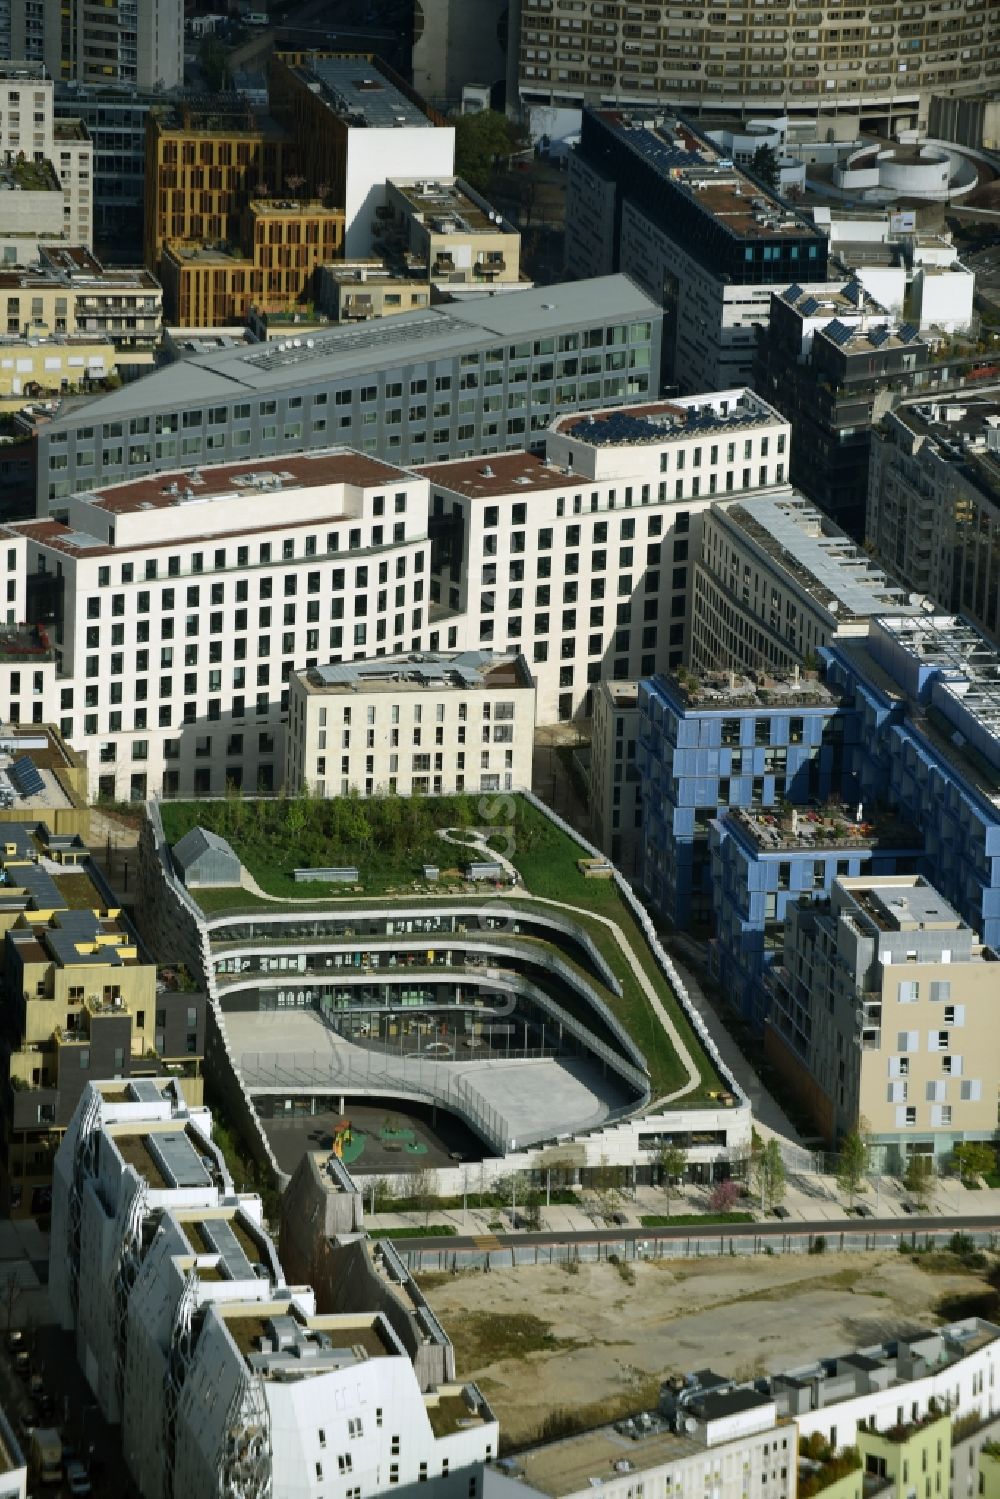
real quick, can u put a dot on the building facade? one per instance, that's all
(414, 725)
(352, 291)
(712, 742)
(353, 119)
(69, 292)
(775, 580)
(650, 196)
(450, 232)
(594, 541)
(139, 44)
(615, 787)
(479, 377)
(880, 1011)
(260, 1392)
(179, 609)
(732, 60)
(934, 501)
(28, 125)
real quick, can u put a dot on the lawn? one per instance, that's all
(682, 1220)
(390, 838)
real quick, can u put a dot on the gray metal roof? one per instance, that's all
(341, 353)
(177, 1158)
(822, 559)
(199, 841)
(356, 90)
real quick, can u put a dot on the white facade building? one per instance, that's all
(224, 1378)
(413, 724)
(28, 125)
(582, 558)
(183, 603)
(180, 604)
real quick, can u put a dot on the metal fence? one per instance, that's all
(706, 1246)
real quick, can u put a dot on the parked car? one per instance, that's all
(15, 1340)
(77, 1478)
(22, 1362)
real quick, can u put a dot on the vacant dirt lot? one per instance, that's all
(543, 1341)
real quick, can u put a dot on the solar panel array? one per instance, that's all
(879, 336)
(809, 306)
(24, 774)
(854, 292)
(623, 427)
(839, 332)
(793, 294)
(908, 333)
(663, 154)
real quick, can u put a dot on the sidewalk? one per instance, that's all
(807, 1198)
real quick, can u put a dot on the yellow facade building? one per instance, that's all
(81, 1001)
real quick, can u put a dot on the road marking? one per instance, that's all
(487, 1241)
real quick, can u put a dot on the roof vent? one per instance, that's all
(486, 472)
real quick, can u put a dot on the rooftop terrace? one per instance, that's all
(823, 828)
(726, 690)
(694, 165)
(447, 206)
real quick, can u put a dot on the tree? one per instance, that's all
(919, 1178)
(767, 1173)
(852, 1164)
(214, 64)
(479, 140)
(975, 1158)
(725, 1196)
(607, 1181)
(764, 164)
(673, 1162)
(422, 1190)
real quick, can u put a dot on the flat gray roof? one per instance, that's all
(342, 352)
(823, 560)
(358, 91)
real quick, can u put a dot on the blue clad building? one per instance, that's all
(718, 741)
(922, 699)
(891, 762)
(763, 861)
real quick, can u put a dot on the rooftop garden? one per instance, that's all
(822, 1466)
(390, 839)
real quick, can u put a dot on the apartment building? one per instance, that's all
(528, 554)
(181, 604)
(730, 1431)
(448, 230)
(270, 270)
(881, 1010)
(138, 44)
(114, 117)
(880, 67)
(28, 126)
(715, 741)
(417, 724)
(353, 118)
(202, 169)
(615, 789)
(650, 196)
(921, 723)
(84, 1000)
(476, 377)
(226, 228)
(46, 365)
(352, 291)
(763, 861)
(69, 291)
(776, 579)
(934, 501)
(261, 1393)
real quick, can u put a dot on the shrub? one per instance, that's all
(724, 1197)
(818, 1245)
